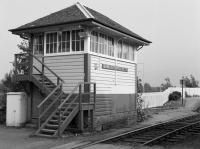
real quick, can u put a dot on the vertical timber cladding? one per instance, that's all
(116, 89)
(69, 67)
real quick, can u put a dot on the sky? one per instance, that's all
(173, 26)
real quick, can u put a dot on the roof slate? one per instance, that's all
(73, 13)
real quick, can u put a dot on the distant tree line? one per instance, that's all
(190, 81)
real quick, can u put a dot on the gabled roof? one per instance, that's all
(76, 13)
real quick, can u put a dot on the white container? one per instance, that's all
(16, 110)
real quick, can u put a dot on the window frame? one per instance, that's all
(117, 45)
(33, 45)
(62, 53)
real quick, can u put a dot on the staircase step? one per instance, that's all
(55, 117)
(45, 135)
(51, 126)
(48, 130)
(54, 121)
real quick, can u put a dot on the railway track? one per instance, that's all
(171, 131)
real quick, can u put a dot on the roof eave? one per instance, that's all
(21, 30)
(145, 42)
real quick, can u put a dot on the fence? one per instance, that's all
(155, 99)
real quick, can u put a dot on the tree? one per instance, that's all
(147, 87)
(139, 85)
(11, 86)
(166, 84)
(190, 81)
(24, 46)
(7, 81)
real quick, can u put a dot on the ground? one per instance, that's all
(18, 138)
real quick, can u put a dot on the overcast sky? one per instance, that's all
(172, 25)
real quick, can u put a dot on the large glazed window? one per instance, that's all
(77, 42)
(94, 42)
(64, 45)
(125, 50)
(51, 43)
(64, 42)
(101, 43)
(38, 44)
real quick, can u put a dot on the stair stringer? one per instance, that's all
(68, 120)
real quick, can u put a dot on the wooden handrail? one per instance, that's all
(49, 96)
(68, 96)
(73, 92)
(46, 67)
(54, 101)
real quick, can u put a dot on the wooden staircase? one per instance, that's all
(58, 108)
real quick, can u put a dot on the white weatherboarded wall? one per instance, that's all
(69, 67)
(156, 99)
(112, 81)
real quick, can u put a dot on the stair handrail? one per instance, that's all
(47, 67)
(64, 101)
(52, 92)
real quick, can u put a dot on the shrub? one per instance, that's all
(174, 96)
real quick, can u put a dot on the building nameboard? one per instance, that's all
(117, 68)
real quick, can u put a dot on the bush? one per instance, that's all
(174, 96)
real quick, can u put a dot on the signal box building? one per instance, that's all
(80, 70)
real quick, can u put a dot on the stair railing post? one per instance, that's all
(38, 118)
(42, 72)
(80, 109)
(59, 121)
(58, 81)
(93, 112)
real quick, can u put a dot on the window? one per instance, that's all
(131, 53)
(101, 43)
(64, 45)
(51, 43)
(77, 42)
(110, 50)
(119, 49)
(62, 42)
(94, 42)
(38, 44)
(125, 51)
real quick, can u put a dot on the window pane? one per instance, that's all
(68, 35)
(73, 35)
(82, 45)
(55, 37)
(51, 47)
(51, 38)
(38, 44)
(63, 47)
(47, 48)
(77, 45)
(55, 47)
(73, 45)
(47, 38)
(68, 46)
(77, 35)
(64, 36)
